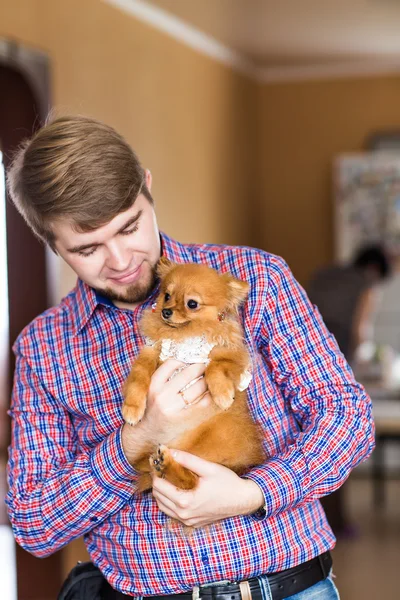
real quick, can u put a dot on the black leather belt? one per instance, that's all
(283, 584)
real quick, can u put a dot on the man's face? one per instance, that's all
(118, 259)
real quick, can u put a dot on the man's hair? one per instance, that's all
(373, 256)
(76, 169)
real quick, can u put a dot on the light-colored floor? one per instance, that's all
(368, 566)
(8, 576)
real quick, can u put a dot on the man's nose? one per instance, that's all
(119, 258)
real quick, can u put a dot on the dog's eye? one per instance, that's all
(192, 304)
(167, 297)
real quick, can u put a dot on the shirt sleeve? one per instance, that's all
(55, 492)
(333, 412)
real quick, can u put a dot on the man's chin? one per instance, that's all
(131, 294)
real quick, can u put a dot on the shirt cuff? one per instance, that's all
(282, 484)
(111, 467)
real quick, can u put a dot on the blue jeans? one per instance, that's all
(324, 590)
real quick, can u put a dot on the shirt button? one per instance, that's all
(204, 558)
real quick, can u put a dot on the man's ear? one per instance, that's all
(164, 266)
(148, 179)
(238, 290)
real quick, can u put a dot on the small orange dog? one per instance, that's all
(197, 311)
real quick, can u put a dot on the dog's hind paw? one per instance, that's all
(163, 465)
(159, 461)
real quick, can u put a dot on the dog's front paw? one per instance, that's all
(222, 392)
(134, 405)
(132, 414)
(224, 401)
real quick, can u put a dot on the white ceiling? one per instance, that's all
(277, 33)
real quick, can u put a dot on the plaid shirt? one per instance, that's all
(68, 475)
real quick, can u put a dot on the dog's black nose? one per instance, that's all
(166, 313)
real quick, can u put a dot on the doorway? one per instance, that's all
(24, 278)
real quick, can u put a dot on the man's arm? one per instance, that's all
(336, 430)
(57, 493)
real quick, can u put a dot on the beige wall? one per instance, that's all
(302, 127)
(186, 115)
(194, 122)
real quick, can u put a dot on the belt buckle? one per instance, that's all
(244, 586)
(196, 593)
(245, 590)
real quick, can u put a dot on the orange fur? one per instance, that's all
(228, 436)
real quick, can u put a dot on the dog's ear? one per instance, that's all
(164, 266)
(238, 290)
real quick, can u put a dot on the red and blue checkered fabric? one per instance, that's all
(69, 477)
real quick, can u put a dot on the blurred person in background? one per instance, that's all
(83, 191)
(386, 320)
(347, 297)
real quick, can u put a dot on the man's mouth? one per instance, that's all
(127, 278)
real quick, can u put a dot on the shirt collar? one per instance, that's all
(84, 304)
(86, 299)
(175, 251)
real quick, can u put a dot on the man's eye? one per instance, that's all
(131, 230)
(167, 297)
(192, 304)
(87, 252)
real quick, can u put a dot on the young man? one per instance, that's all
(83, 191)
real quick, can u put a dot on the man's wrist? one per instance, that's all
(255, 498)
(110, 467)
(135, 441)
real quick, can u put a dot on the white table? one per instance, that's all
(386, 411)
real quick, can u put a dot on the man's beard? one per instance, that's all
(135, 293)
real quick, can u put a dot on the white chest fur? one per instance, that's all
(193, 350)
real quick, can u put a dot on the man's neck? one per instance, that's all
(126, 305)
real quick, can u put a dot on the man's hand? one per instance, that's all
(167, 415)
(220, 493)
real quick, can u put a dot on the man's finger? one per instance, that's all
(166, 370)
(194, 463)
(186, 377)
(164, 501)
(169, 491)
(166, 509)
